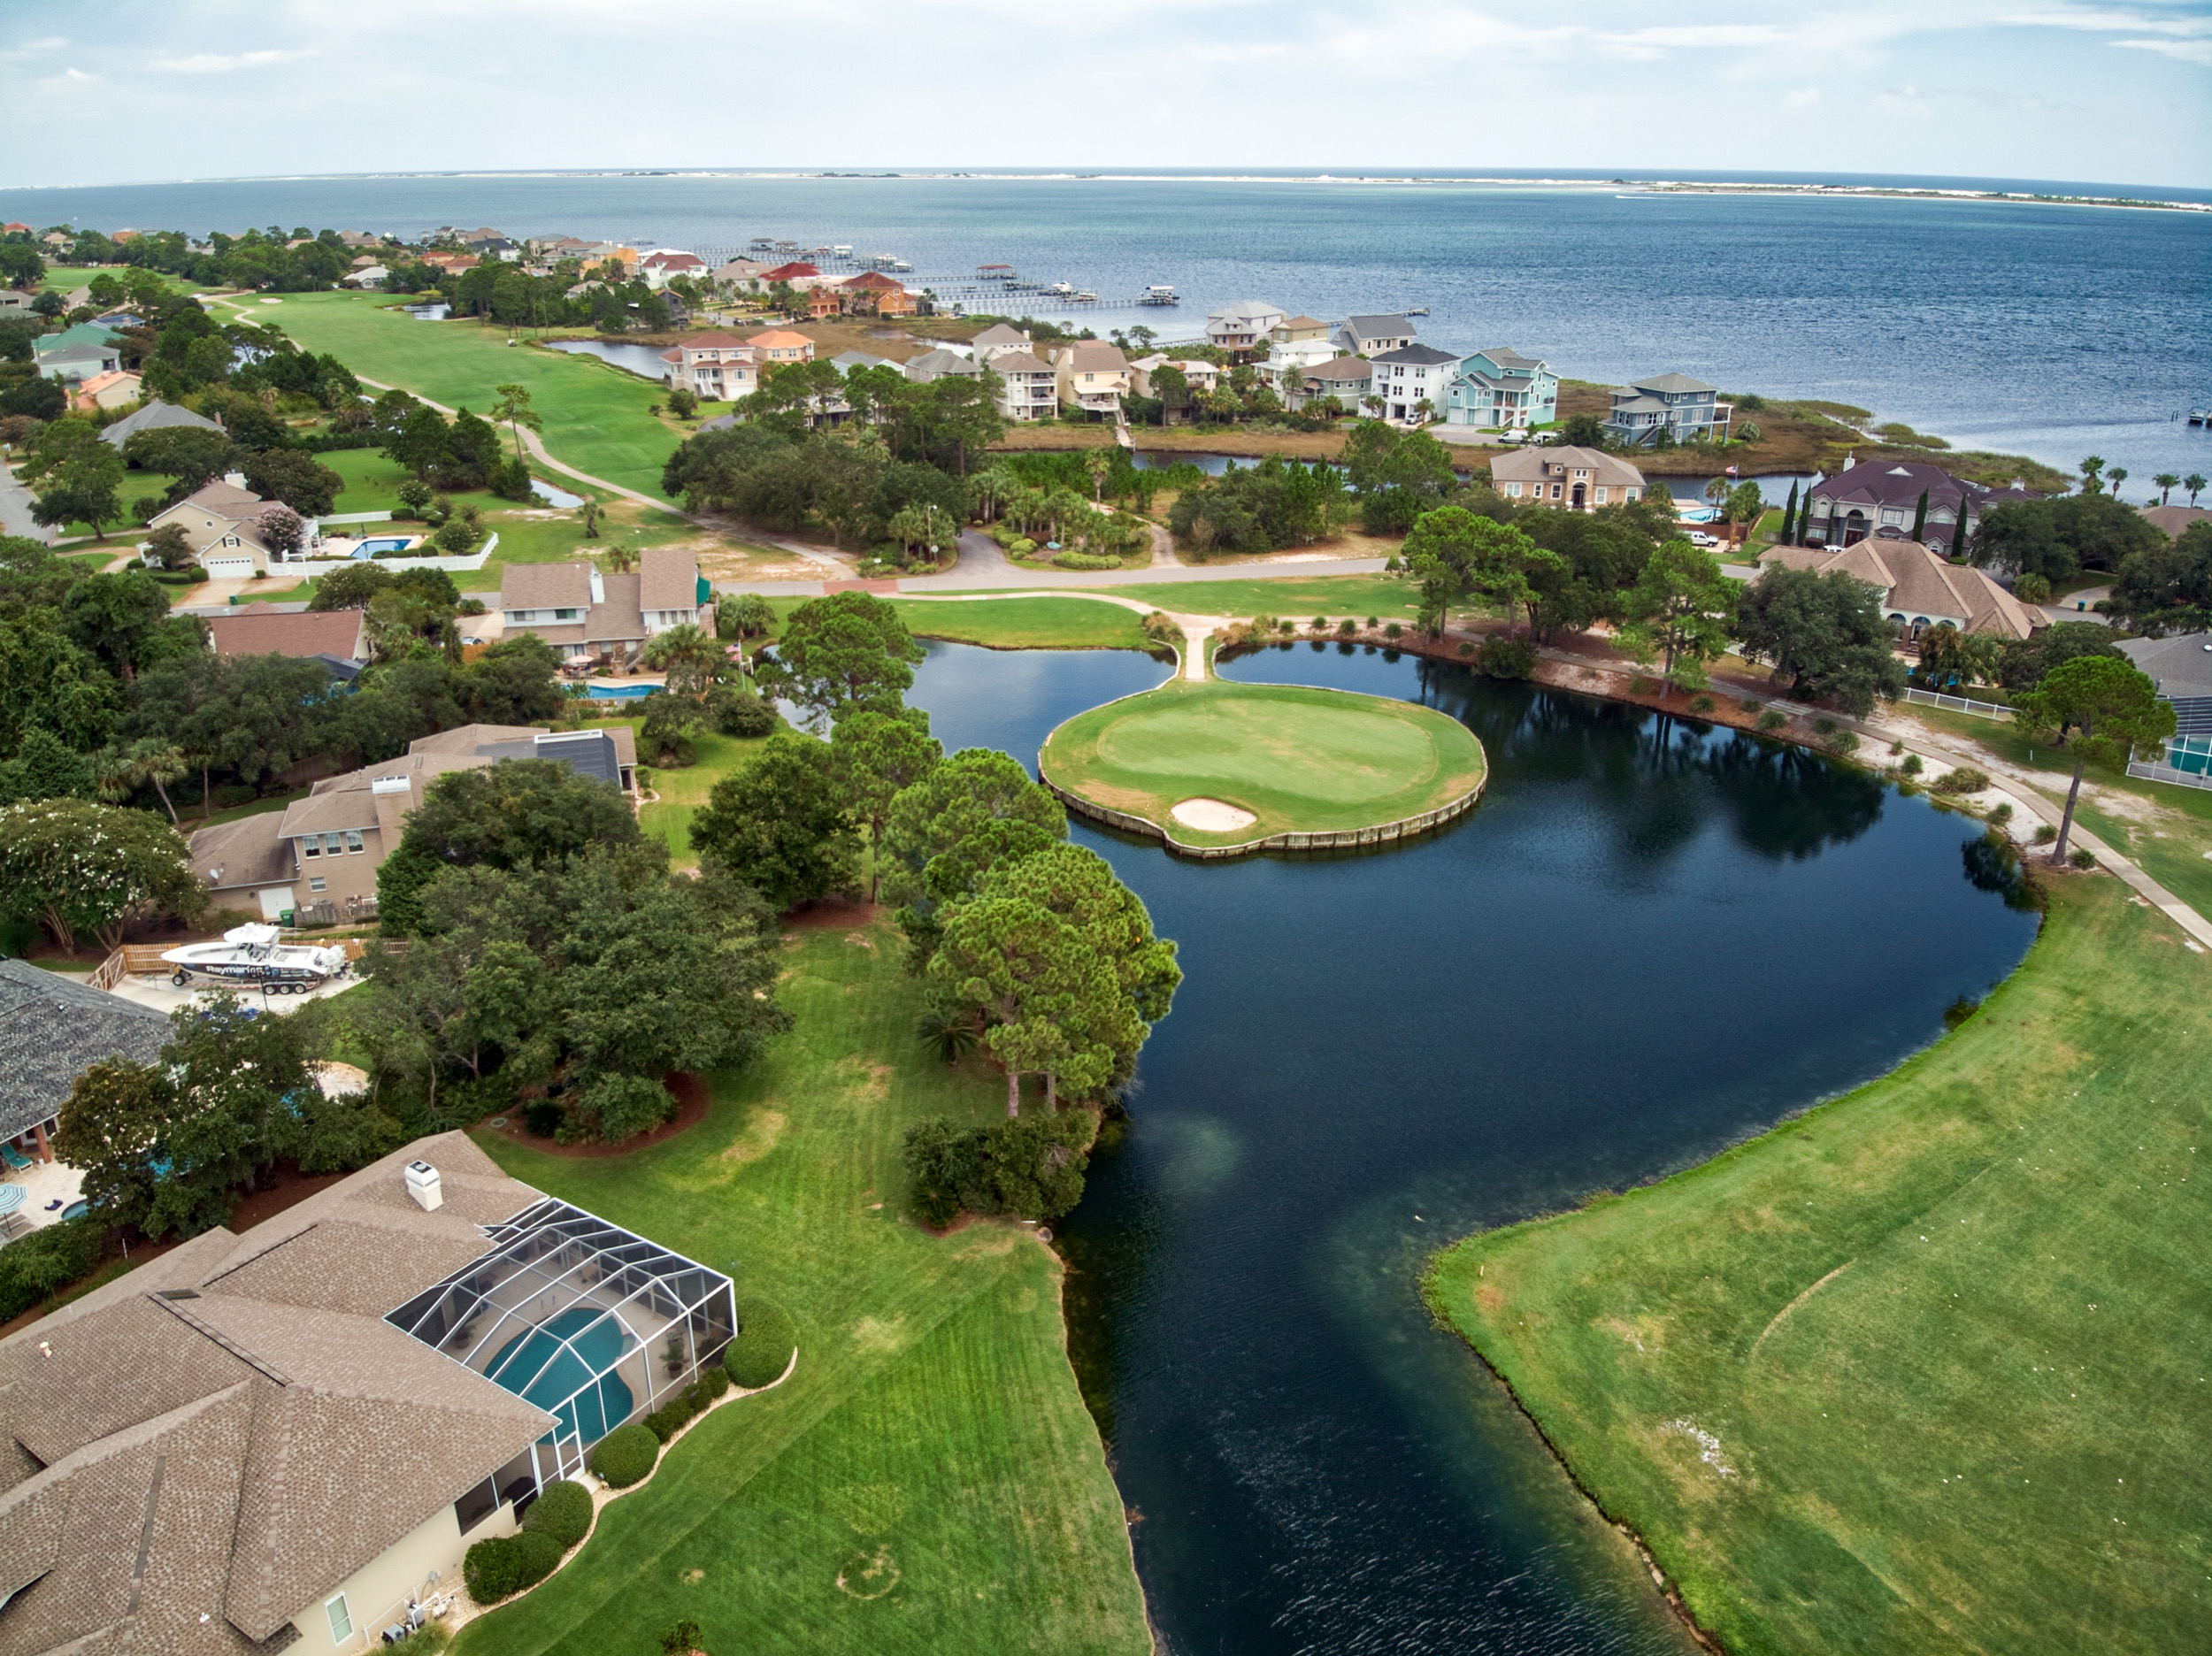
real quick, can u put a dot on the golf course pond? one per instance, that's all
(1650, 939)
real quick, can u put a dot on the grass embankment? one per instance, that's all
(1298, 760)
(595, 414)
(931, 1449)
(1025, 623)
(1925, 1369)
(1299, 597)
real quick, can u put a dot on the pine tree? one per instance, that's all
(1788, 537)
(1920, 518)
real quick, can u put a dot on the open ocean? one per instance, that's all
(2045, 330)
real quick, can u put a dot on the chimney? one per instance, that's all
(598, 585)
(422, 1184)
(236, 480)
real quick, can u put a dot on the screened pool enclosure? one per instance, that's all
(589, 1322)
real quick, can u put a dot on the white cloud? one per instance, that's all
(2195, 51)
(225, 62)
(33, 49)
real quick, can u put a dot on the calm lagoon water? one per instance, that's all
(642, 360)
(1651, 939)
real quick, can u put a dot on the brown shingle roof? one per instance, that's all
(248, 852)
(1917, 581)
(668, 579)
(621, 618)
(340, 632)
(545, 587)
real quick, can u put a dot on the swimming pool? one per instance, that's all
(382, 543)
(553, 1364)
(620, 693)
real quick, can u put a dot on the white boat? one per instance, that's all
(1062, 288)
(1158, 293)
(252, 955)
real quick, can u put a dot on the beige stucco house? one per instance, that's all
(1920, 588)
(1091, 377)
(1572, 478)
(222, 524)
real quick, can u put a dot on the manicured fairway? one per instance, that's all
(1297, 760)
(1297, 597)
(1026, 623)
(1928, 1369)
(932, 1429)
(595, 414)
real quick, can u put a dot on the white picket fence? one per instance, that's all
(1960, 704)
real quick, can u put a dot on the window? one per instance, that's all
(341, 1620)
(311, 845)
(353, 840)
(318, 883)
(478, 1504)
(332, 843)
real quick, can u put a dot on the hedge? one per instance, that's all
(505, 1565)
(762, 1350)
(48, 1260)
(563, 1511)
(687, 1405)
(626, 1455)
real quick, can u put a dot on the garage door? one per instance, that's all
(229, 568)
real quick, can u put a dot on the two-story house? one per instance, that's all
(658, 267)
(1566, 478)
(1093, 377)
(1239, 327)
(583, 613)
(939, 364)
(1028, 389)
(1200, 374)
(1349, 379)
(670, 591)
(1919, 586)
(773, 346)
(1501, 390)
(221, 522)
(996, 338)
(1881, 498)
(872, 293)
(1373, 335)
(1411, 375)
(714, 367)
(1685, 409)
(1296, 330)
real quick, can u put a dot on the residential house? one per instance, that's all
(2182, 670)
(273, 1440)
(324, 851)
(494, 247)
(222, 524)
(797, 274)
(872, 293)
(1349, 379)
(715, 366)
(1685, 409)
(1501, 390)
(52, 1030)
(1240, 327)
(2174, 521)
(553, 249)
(367, 276)
(1568, 478)
(451, 263)
(1201, 374)
(154, 416)
(583, 613)
(1882, 497)
(823, 302)
(1920, 588)
(852, 362)
(15, 303)
(113, 390)
(936, 364)
(662, 265)
(671, 592)
(1411, 375)
(79, 353)
(739, 275)
(781, 345)
(358, 238)
(1299, 329)
(996, 338)
(1091, 377)
(1373, 335)
(338, 638)
(1028, 389)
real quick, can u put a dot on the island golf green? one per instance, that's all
(1219, 769)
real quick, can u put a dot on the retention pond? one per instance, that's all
(1652, 938)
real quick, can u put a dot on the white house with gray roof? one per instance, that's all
(1372, 335)
(1411, 375)
(1241, 327)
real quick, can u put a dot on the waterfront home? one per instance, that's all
(338, 638)
(797, 274)
(936, 364)
(154, 416)
(781, 345)
(1567, 478)
(275, 1439)
(2182, 670)
(852, 362)
(2174, 521)
(221, 522)
(114, 390)
(1501, 390)
(1411, 375)
(1295, 330)
(715, 366)
(1093, 377)
(324, 851)
(658, 267)
(1349, 379)
(1920, 588)
(1202, 375)
(553, 249)
(872, 293)
(493, 246)
(1683, 408)
(1372, 335)
(996, 338)
(52, 1030)
(1239, 327)
(1028, 389)
(1882, 498)
(739, 275)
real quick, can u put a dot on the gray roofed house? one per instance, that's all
(272, 1439)
(1411, 375)
(1685, 409)
(996, 338)
(581, 612)
(52, 1030)
(852, 361)
(936, 364)
(1366, 335)
(154, 416)
(2182, 670)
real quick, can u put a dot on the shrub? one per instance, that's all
(48, 1260)
(537, 1555)
(1965, 779)
(1702, 704)
(762, 1350)
(563, 1511)
(625, 1455)
(666, 1420)
(1467, 650)
(470, 607)
(1843, 742)
(2001, 813)
(1393, 631)
(489, 1569)
(1506, 658)
(739, 713)
(2045, 832)
(1772, 720)
(456, 536)
(682, 1639)
(1083, 561)
(1824, 726)
(543, 1118)
(1374, 621)
(1910, 764)
(2082, 857)
(1347, 628)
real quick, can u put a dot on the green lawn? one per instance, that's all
(933, 1428)
(1302, 596)
(1025, 623)
(1925, 1369)
(595, 414)
(1298, 760)
(682, 792)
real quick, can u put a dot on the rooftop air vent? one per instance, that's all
(422, 1184)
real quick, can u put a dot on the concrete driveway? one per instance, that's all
(15, 510)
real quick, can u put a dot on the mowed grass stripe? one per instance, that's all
(1948, 1336)
(933, 1418)
(1301, 760)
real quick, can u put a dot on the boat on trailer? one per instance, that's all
(256, 956)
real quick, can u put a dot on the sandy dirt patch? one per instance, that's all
(1211, 816)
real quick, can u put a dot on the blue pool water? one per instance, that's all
(620, 693)
(387, 543)
(537, 1367)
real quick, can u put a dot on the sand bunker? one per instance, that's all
(1211, 816)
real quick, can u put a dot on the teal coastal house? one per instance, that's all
(1501, 390)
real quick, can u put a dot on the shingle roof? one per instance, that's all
(1674, 382)
(1000, 333)
(1379, 327)
(250, 852)
(1898, 483)
(668, 579)
(1342, 370)
(620, 619)
(2174, 521)
(1424, 355)
(53, 1029)
(1543, 465)
(545, 587)
(2182, 667)
(154, 416)
(1918, 581)
(1505, 356)
(239, 1450)
(340, 632)
(934, 364)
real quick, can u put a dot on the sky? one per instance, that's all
(115, 91)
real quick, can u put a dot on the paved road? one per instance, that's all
(15, 510)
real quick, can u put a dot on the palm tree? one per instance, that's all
(147, 763)
(1100, 465)
(690, 656)
(2166, 484)
(2115, 477)
(2194, 482)
(1424, 410)
(2090, 466)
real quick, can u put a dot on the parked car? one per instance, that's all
(1699, 538)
